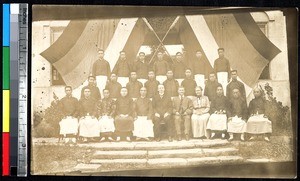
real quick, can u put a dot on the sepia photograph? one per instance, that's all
(122, 88)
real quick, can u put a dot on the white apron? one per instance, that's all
(237, 125)
(217, 122)
(69, 125)
(123, 81)
(88, 127)
(258, 124)
(106, 124)
(161, 78)
(143, 127)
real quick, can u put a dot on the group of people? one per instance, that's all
(148, 103)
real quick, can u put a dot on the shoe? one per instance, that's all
(85, 140)
(230, 138)
(170, 139)
(128, 139)
(179, 138)
(212, 135)
(118, 138)
(67, 140)
(223, 136)
(242, 137)
(251, 138)
(102, 139)
(187, 138)
(157, 139)
(266, 139)
(110, 138)
(73, 140)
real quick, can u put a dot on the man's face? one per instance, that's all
(212, 77)
(256, 93)
(100, 54)
(161, 89)
(221, 53)
(181, 91)
(122, 55)
(91, 80)
(151, 75)
(106, 93)
(68, 91)
(87, 93)
(159, 56)
(124, 92)
(236, 93)
(113, 77)
(141, 56)
(198, 91)
(219, 91)
(234, 75)
(170, 75)
(179, 57)
(143, 92)
(188, 73)
(133, 75)
(198, 55)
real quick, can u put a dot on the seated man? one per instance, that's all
(182, 110)
(200, 114)
(258, 123)
(143, 126)
(238, 115)
(134, 86)
(162, 108)
(124, 119)
(113, 87)
(219, 110)
(88, 123)
(106, 109)
(94, 90)
(69, 123)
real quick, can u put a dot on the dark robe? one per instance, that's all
(238, 108)
(235, 84)
(151, 86)
(106, 106)
(69, 106)
(179, 68)
(222, 65)
(87, 106)
(122, 68)
(171, 87)
(211, 89)
(257, 105)
(95, 93)
(124, 105)
(143, 107)
(160, 67)
(220, 103)
(133, 88)
(114, 89)
(199, 66)
(141, 69)
(101, 67)
(162, 105)
(189, 86)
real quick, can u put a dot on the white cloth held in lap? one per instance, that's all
(217, 122)
(258, 124)
(88, 127)
(106, 124)
(143, 127)
(68, 125)
(237, 125)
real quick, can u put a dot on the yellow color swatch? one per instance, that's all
(6, 110)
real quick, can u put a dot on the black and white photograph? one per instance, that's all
(115, 91)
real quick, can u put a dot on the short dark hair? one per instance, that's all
(86, 87)
(188, 69)
(178, 53)
(233, 71)
(68, 86)
(92, 77)
(220, 85)
(142, 53)
(100, 50)
(212, 72)
(221, 49)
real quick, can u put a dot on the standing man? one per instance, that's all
(171, 85)
(160, 67)
(101, 70)
(235, 84)
(106, 109)
(151, 85)
(258, 123)
(162, 108)
(134, 86)
(238, 116)
(88, 123)
(94, 90)
(182, 110)
(211, 87)
(69, 123)
(220, 111)
(122, 69)
(200, 69)
(179, 68)
(124, 116)
(189, 84)
(113, 87)
(200, 114)
(143, 125)
(141, 67)
(222, 68)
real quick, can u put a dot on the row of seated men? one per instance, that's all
(145, 118)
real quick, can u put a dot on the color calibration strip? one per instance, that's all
(6, 91)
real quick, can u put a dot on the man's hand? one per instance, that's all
(166, 114)
(229, 119)
(177, 113)
(157, 115)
